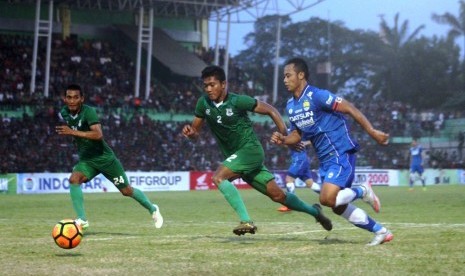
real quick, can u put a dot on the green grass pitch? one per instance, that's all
(197, 238)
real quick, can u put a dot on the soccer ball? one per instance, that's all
(67, 234)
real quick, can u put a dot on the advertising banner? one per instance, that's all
(432, 177)
(159, 181)
(376, 177)
(8, 183)
(203, 181)
(38, 183)
(45, 183)
(461, 176)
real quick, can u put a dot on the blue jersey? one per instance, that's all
(416, 162)
(314, 115)
(415, 156)
(300, 165)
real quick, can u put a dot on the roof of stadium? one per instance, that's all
(241, 11)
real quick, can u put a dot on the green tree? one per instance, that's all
(428, 70)
(457, 23)
(350, 51)
(258, 60)
(395, 40)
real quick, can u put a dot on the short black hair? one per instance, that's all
(214, 71)
(299, 65)
(75, 87)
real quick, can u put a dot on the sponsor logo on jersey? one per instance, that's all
(229, 112)
(302, 120)
(306, 105)
(329, 100)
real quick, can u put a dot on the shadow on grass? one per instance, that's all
(249, 239)
(105, 233)
(68, 254)
(329, 241)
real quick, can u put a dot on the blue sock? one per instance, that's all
(358, 191)
(371, 226)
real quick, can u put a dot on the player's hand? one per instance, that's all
(277, 138)
(380, 137)
(188, 131)
(63, 130)
(297, 147)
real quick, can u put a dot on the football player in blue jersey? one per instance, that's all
(299, 169)
(317, 115)
(416, 164)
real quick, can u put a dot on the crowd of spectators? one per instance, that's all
(143, 144)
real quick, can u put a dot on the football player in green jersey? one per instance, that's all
(226, 115)
(95, 156)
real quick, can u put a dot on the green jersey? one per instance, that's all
(91, 150)
(229, 121)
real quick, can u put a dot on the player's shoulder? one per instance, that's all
(235, 96)
(314, 92)
(64, 111)
(85, 109)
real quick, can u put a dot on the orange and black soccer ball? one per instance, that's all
(67, 234)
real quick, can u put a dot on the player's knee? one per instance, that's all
(280, 198)
(217, 179)
(328, 201)
(77, 179)
(127, 191)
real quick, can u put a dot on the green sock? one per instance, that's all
(78, 200)
(295, 203)
(234, 199)
(140, 197)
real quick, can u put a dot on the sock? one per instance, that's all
(231, 194)
(316, 188)
(78, 200)
(140, 197)
(359, 218)
(290, 187)
(346, 196)
(295, 203)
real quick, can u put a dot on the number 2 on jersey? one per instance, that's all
(232, 157)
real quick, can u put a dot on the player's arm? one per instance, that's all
(347, 107)
(292, 138)
(266, 109)
(95, 132)
(192, 131)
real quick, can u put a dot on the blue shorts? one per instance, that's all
(339, 171)
(416, 168)
(300, 168)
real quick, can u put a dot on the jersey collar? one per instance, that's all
(307, 87)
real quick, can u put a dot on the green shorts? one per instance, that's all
(248, 162)
(112, 170)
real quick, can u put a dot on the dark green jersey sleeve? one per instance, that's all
(200, 107)
(92, 117)
(245, 102)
